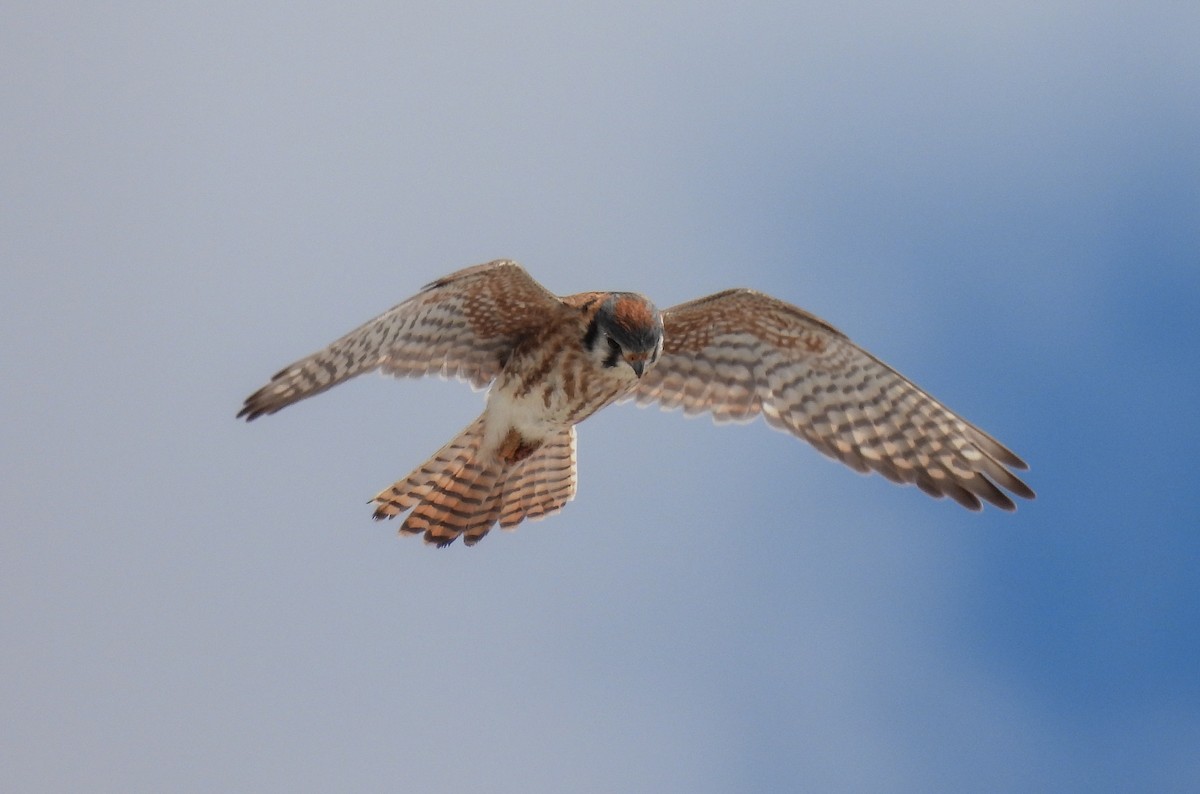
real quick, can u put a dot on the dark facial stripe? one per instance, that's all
(614, 352)
(593, 330)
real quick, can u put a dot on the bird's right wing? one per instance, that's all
(740, 353)
(462, 326)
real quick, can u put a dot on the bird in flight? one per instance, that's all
(554, 361)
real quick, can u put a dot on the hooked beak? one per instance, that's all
(638, 367)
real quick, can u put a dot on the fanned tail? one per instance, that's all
(464, 490)
(541, 484)
(451, 494)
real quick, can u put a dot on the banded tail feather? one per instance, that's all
(464, 489)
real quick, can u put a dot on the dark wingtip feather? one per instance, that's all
(1021, 489)
(257, 405)
(1003, 502)
(963, 497)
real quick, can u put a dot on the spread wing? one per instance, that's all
(459, 326)
(740, 353)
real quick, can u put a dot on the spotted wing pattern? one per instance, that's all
(740, 353)
(459, 326)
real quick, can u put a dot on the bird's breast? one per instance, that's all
(548, 386)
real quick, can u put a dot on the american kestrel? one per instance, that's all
(553, 362)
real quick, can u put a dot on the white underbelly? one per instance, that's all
(543, 411)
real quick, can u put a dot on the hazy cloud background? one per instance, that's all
(1002, 200)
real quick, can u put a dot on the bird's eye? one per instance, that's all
(613, 345)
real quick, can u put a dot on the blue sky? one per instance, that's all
(1000, 200)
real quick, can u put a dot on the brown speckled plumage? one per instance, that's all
(552, 362)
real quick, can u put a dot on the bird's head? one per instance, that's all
(626, 331)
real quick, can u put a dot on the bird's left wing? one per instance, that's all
(462, 325)
(740, 353)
